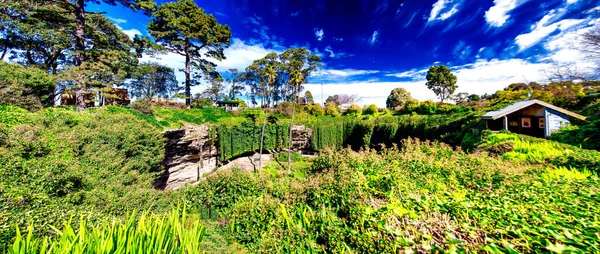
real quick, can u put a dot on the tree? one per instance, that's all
(397, 98)
(235, 88)
(308, 98)
(461, 98)
(298, 64)
(152, 79)
(441, 81)
(216, 89)
(342, 99)
(185, 29)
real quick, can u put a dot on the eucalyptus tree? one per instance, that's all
(298, 64)
(151, 80)
(216, 88)
(235, 88)
(185, 29)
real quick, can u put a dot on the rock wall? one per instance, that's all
(190, 154)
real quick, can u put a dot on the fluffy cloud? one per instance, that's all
(479, 78)
(541, 31)
(374, 37)
(130, 32)
(238, 56)
(342, 72)
(319, 34)
(439, 10)
(497, 15)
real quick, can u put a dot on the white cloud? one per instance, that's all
(238, 56)
(572, 1)
(541, 31)
(477, 78)
(342, 72)
(370, 92)
(497, 15)
(438, 7)
(374, 37)
(319, 34)
(130, 32)
(117, 20)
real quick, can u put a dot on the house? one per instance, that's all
(530, 117)
(228, 105)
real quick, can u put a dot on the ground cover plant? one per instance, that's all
(424, 196)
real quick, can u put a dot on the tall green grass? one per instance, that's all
(175, 232)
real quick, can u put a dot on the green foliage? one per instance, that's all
(245, 137)
(58, 162)
(150, 80)
(184, 28)
(25, 87)
(390, 130)
(143, 106)
(372, 110)
(398, 98)
(534, 150)
(138, 233)
(423, 197)
(353, 110)
(285, 108)
(331, 110)
(441, 81)
(586, 136)
(316, 110)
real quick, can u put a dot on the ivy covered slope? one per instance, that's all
(58, 163)
(424, 196)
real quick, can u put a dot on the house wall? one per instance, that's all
(529, 121)
(554, 121)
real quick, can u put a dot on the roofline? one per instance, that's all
(564, 111)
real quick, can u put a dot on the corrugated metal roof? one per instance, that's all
(523, 104)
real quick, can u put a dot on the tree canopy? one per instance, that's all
(397, 98)
(185, 29)
(441, 81)
(150, 80)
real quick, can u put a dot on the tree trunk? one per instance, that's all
(188, 84)
(4, 51)
(290, 140)
(80, 48)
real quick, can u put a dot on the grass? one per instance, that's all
(175, 232)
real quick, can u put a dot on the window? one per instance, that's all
(541, 123)
(526, 122)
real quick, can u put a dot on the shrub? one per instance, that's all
(285, 108)
(26, 87)
(316, 110)
(143, 106)
(331, 110)
(353, 110)
(371, 110)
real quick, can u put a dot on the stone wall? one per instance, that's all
(190, 154)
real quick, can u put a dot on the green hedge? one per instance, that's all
(245, 137)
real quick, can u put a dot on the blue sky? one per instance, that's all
(371, 47)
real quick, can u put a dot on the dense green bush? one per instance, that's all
(143, 106)
(353, 110)
(371, 110)
(245, 137)
(58, 160)
(315, 110)
(25, 87)
(331, 110)
(420, 198)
